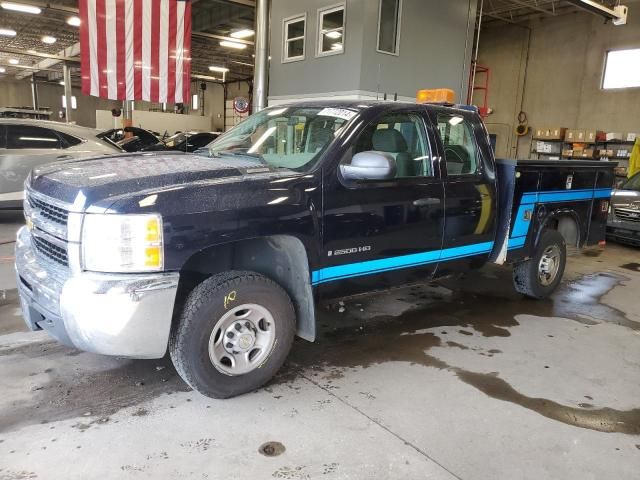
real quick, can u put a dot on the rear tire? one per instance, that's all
(234, 334)
(539, 276)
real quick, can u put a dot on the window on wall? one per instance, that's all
(331, 30)
(389, 15)
(622, 69)
(294, 32)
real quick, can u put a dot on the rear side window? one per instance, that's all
(402, 135)
(69, 140)
(28, 136)
(460, 149)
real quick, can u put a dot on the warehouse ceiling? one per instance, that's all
(515, 11)
(212, 21)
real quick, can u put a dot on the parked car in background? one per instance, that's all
(26, 143)
(134, 139)
(624, 215)
(190, 141)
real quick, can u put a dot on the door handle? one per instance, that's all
(426, 202)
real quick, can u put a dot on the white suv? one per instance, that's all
(26, 143)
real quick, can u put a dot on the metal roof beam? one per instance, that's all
(67, 55)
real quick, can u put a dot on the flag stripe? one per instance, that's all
(136, 49)
(93, 49)
(85, 57)
(128, 33)
(122, 55)
(163, 50)
(171, 70)
(186, 69)
(111, 67)
(101, 29)
(155, 50)
(179, 51)
(146, 50)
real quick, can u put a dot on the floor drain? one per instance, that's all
(271, 449)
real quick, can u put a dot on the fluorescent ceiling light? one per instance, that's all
(2, 69)
(455, 121)
(14, 61)
(20, 7)
(236, 45)
(336, 46)
(7, 32)
(219, 69)
(334, 34)
(61, 82)
(48, 39)
(74, 21)
(242, 33)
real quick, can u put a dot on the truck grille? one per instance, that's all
(50, 250)
(46, 214)
(628, 214)
(48, 211)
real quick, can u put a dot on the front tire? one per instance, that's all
(234, 334)
(539, 276)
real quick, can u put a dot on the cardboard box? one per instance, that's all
(588, 153)
(631, 137)
(555, 133)
(538, 133)
(591, 136)
(567, 152)
(574, 135)
(614, 136)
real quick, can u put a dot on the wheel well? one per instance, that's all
(282, 258)
(567, 226)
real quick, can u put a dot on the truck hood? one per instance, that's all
(626, 198)
(100, 180)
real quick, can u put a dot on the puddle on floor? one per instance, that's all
(358, 339)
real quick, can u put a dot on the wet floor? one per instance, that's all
(424, 381)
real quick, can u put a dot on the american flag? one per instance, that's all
(136, 49)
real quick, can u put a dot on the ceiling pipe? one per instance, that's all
(618, 13)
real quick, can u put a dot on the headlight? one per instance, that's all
(122, 243)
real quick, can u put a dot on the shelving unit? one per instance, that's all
(602, 145)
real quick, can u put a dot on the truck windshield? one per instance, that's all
(286, 137)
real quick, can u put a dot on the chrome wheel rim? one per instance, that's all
(549, 265)
(242, 339)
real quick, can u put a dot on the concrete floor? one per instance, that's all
(462, 380)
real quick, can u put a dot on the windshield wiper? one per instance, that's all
(230, 153)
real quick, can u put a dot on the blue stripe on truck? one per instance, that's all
(529, 200)
(517, 240)
(371, 267)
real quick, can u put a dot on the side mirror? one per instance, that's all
(370, 166)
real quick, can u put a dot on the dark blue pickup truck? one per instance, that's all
(222, 258)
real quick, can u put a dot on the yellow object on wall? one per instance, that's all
(634, 161)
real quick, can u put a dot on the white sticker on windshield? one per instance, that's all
(338, 113)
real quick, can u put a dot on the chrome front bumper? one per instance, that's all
(110, 314)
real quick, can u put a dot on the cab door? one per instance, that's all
(470, 191)
(382, 233)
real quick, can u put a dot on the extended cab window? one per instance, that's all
(27, 136)
(460, 150)
(403, 136)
